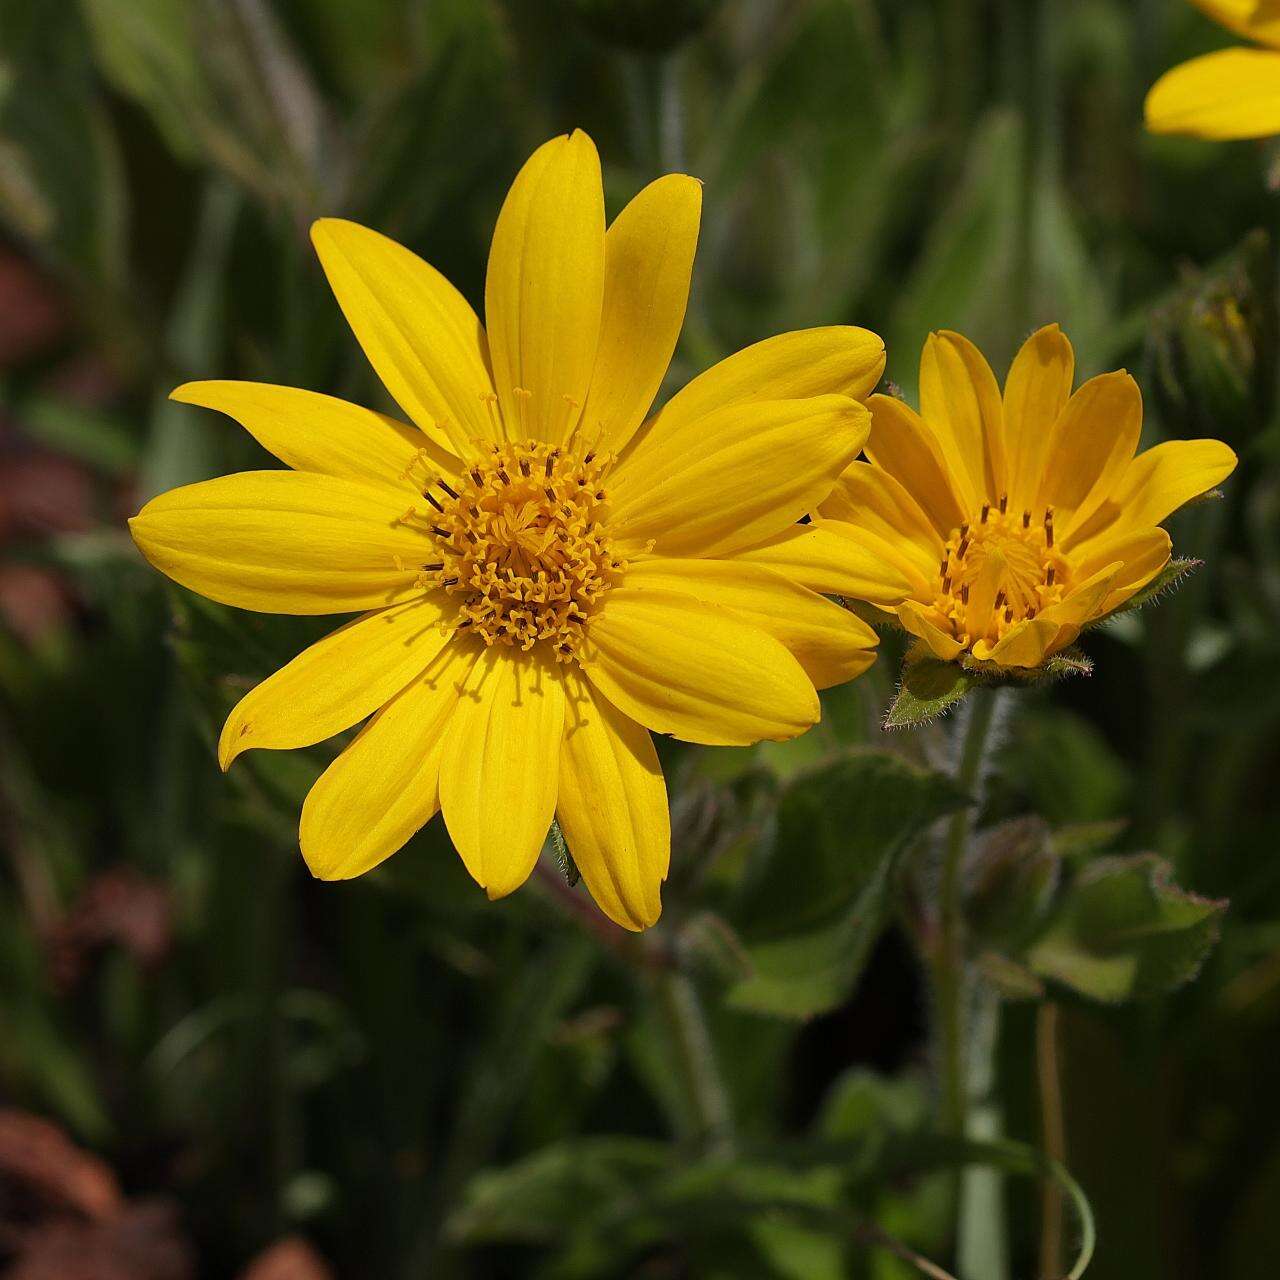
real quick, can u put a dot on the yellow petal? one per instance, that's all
(871, 500)
(716, 484)
(1142, 553)
(544, 289)
(612, 806)
(1234, 93)
(830, 643)
(284, 542)
(417, 330)
(1091, 444)
(1035, 393)
(840, 360)
(696, 672)
(983, 591)
(313, 432)
(1256, 19)
(337, 681)
(915, 618)
(648, 260)
(383, 787)
(498, 776)
(903, 446)
(960, 400)
(1155, 484)
(1026, 644)
(818, 557)
(1084, 602)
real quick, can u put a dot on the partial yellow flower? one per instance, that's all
(1234, 93)
(1018, 518)
(543, 576)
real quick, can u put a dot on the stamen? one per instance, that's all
(1026, 519)
(1048, 526)
(433, 502)
(1004, 503)
(986, 511)
(444, 484)
(1049, 576)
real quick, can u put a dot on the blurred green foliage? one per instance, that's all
(425, 1083)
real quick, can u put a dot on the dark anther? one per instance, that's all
(1026, 519)
(986, 511)
(433, 502)
(439, 532)
(551, 497)
(524, 466)
(964, 594)
(1004, 503)
(477, 475)
(444, 484)
(502, 475)
(1049, 577)
(433, 568)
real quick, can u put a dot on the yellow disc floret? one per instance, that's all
(997, 570)
(522, 545)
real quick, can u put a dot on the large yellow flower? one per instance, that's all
(542, 578)
(1234, 93)
(1017, 518)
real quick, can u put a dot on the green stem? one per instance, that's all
(702, 1086)
(949, 958)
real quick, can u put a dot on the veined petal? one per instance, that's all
(1142, 553)
(419, 333)
(612, 806)
(902, 446)
(868, 498)
(1234, 93)
(648, 261)
(841, 360)
(383, 787)
(544, 289)
(1035, 393)
(337, 681)
(685, 668)
(1154, 485)
(735, 477)
(313, 432)
(1091, 444)
(498, 776)
(284, 542)
(960, 400)
(819, 557)
(830, 643)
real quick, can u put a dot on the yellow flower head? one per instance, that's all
(542, 578)
(1017, 519)
(1234, 93)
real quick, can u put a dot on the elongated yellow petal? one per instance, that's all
(1155, 484)
(872, 500)
(544, 290)
(338, 681)
(1026, 644)
(417, 330)
(716, 484)
(313, 432)
(498, 777)
(840, 360)
(1035, 393)
(1256, 19)
(1234, 93)
(284, 542)
(648, 255)
(1091, 444)
(830, 643)
(383, 787)
(1084, 602)
(903, 446)
(1142, 554)
(960, 400)
(684, 668)
(818, 557)
(612, 806)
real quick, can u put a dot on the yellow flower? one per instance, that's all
(543, 579)
(1234, 93)
(1017, 519)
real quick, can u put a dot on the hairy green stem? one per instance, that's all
(702, 1086)
(950, 983)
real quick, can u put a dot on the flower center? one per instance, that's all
(998, 570)
(522, 546)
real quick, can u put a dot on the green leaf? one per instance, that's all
(1168, 580)
(1011, 876)
(822, 893)
(929, 689)
(1124, 931)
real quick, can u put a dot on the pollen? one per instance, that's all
(521, 545)
(997, 570)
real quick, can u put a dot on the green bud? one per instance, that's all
(1011, 875)
(650, 26)
(1214, 345)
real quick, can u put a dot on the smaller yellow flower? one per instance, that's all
(1018, 519)
(1234, 93)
